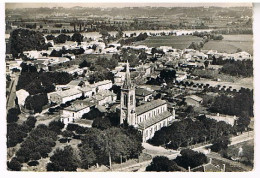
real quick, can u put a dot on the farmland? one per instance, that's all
(178, 42)
(231, 43)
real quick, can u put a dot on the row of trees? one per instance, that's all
(188, 158)
(62, 38)
(37, 145)
(59, 53)
(243, 68)
(17, 132)
(140, 37)
(187, 132)
(208, 35)
(241, 104)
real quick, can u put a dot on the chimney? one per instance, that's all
(210, 160)
(189, 169)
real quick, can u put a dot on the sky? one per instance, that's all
(106, 5)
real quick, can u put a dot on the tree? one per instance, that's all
(26, 40)
(190, 158)
(162, 163)
(12, 115)
(243, 122)
(101, 123)
(220, 143)
(14, 165)
(62, 38)
(15, 134)
(87, 156)
(36, 102)
(84, 64)
(77, 37)
(63, 160)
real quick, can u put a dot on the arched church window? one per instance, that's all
(131, 99)
(125, 100)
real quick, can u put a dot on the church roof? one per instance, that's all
(154, 120)
(149, 106)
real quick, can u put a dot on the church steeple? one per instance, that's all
(127, 83)
(128, 102)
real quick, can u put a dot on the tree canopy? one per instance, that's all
(63, 160)
(162, 163)
(26, 40)
(190, 158)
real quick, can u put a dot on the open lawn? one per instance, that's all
(231, 43)
(242, 152)
(178, 42)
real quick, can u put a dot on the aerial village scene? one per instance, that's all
(129, 89)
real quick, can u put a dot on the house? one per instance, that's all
(226, 118)
(119, 78)
(193, 100)
(21, 96)
(61, 97)
(75, 111)
(143, 94)
(104, 97)
(209, 167)
(103, 85)
(180, 76)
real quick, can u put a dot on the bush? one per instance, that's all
(220, 144)
(190, 158)
(33, 163)
(67, 133)
(12, 115)
(14, 165)
(162, 163)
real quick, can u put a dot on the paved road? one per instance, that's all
(10, 101)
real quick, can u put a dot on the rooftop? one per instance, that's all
(149, 106)
(154, 120)
(194, 97)
(77, 106)
(142, 92)
(66, 93)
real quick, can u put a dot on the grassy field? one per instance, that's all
(179, 42)
(231, 43)
(247, 154)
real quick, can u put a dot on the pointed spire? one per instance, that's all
(127, 83)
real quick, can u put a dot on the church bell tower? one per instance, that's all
(128, 103)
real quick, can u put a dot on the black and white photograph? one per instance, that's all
(129, 87)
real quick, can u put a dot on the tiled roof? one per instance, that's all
(149, 106)
(70, 92)
(77, 107)
(142, 92)
(194, 97)
(151, 121)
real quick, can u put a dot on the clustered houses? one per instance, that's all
(73, 91)
(137, 106)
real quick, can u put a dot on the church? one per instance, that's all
(147, 118)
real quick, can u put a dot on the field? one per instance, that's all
(231, 43)
(246, 155)
(179, 42)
